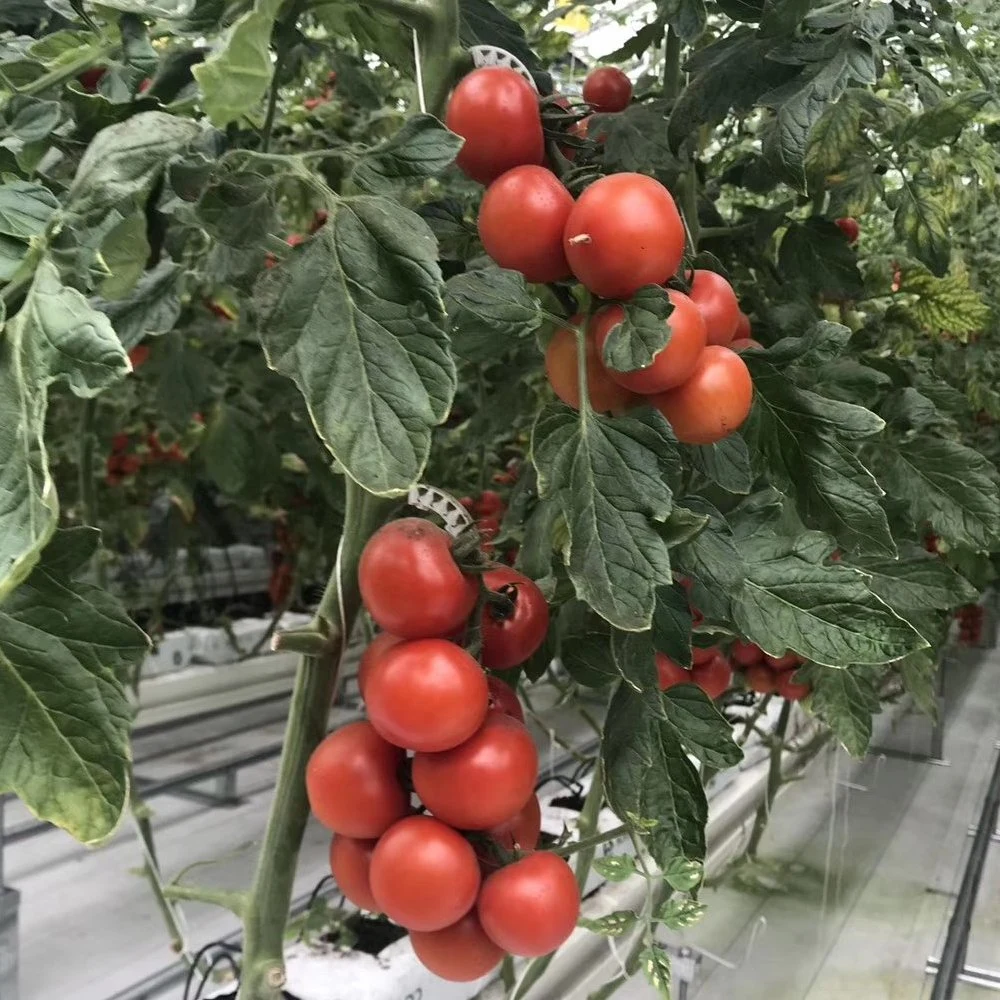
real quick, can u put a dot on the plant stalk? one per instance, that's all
(672, 65)
(774, 781)
(266, 910)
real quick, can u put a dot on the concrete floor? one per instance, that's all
(862, 861)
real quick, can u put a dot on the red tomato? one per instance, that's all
(496, 111)
(139, 355)
(746, 654)
(350, 861)
(503, 698)
(509, 641)
(90, 78)
(674, 363)
(411, 584)
(606, 395)
(423, 874)
(713, 677)
(788, 661)
(460, 953)
(483, 782)
(119, 443)
(701, 655)
(380, 645)
(352, 782)
(489, 504)
(742, 344)
(788, 689)
(521, 222)
(762, 679)
(426, 694)
(489, 527)
(624, 232)
(312, 103)
(522, 831)
(669, 673)
(713, 402)
(607, 89)
(743, 329)
(717, 301)
(530, 907)
(850, 228)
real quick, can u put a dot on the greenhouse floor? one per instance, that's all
(863, 875)
(866, 856)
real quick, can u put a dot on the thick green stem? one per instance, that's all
(88, 505)
(672, 65)
(589, 843)
(774, 781)
(266, 911)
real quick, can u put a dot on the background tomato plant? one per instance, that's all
(244, 296)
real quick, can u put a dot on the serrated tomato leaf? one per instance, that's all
(610, 478)
(700, 726)
(66, 650)
(422, 148)
(671, 633)
(355, 318)
(847, 701)
(647, 774)
(643, 332)
(55, 336)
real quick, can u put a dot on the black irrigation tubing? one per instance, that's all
(956, 944)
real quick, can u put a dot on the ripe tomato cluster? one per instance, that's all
(122, 462)
(622, 233)
(441, 873)
(970, 624)
(768, 674)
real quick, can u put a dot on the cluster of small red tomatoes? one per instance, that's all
(463, 876)
(712, 671)
(122, 462)
(970, 624)
(622, 233)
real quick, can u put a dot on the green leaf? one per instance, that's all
(229, 448)
(783, 16)
(701, 727)
(584, 645)
(152, 307)
(915, 583)
(124, 252)
(487, 310)
(846, 700)
(804, 439)
(687, 17)
(643, 332)
(12, 254)
(634, 656)
(679, 914)
(65, 647)
(947, 485)
(483, 23)
(943, 122)
(635, 139)
(857, 189)
(800, 103)
(910, 409)
(137, 49)
(683, 874)
(610, 480)
(422, 148)
(815, 254)
(611, 924)
(922, 221)
(55, 336)
(355, 318)
(712, 560)
(236, 76)
(31, 119)
(650, 35)
(945, 305)
(824, 611)
(671, 633)
(655, 964)
(124, 160)
(25, 209)
(919, 672)
(183, 373)
(238, 209)
(615, 867)
(726, 463)
(647, 773)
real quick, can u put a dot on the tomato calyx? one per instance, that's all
(501, 604)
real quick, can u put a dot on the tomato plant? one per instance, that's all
(271, 270)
